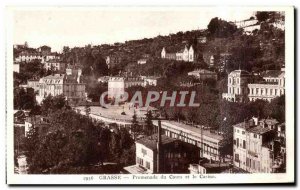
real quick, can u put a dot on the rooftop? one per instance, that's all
(151, 141)
(272, 73)
(202, 71)
(135, 169)
(259, 130)
(239, 72)
(192, 130)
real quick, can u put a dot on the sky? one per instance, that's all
(70, 27)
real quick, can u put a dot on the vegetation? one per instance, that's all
(24, 99)
(74, 142)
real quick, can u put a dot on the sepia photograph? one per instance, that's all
(130, 95)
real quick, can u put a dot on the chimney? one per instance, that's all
(251, 122)
(158, 147)
(255, 119)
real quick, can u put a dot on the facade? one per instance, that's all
(117, 85)
(186, 54)
(248, 25)
(26, 56)
(256, 146)
(211, 144)
(170, 155)
(272, 86)
(69, 86)
(237, 86)
(112, 60)
(203, 74)
(55, 65)
(151, 81)
(242, 87)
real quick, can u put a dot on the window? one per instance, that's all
(237, 142)
(255, 135)
(148, 165)
(236, 158)
(244, 144)
(140, 161)
(144, 152)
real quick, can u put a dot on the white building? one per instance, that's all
(272, 86)
(167, 155)
(242, 87)
(211, 144)
(150, 81)
(248, 25)
(55, 65)
(31, 56)
(60, 84)
(203, 74)
(255, 148)
(237, 86)
(117, 85)
(186, 54)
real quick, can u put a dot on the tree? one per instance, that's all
(87, 109)
(220, 28)
(115, 147)
(262, 15)
(31, 145)
(128, 156)
(149, 128)
(276, 109)
(71, 141)
(51, 104)
(135, 127)
(24, 99)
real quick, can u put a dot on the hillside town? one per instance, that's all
(235, 68)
